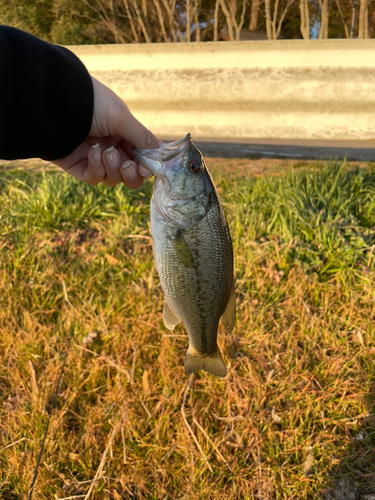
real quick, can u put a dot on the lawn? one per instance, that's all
(294, 418)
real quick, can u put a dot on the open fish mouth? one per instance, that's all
(153, 159)
(180, 145)
(186, 141)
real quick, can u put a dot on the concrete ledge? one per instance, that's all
(272, 89)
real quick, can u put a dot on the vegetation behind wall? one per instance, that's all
(148, 21)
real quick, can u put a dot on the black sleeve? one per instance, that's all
(46, 98)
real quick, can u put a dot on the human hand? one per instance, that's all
(106, 155)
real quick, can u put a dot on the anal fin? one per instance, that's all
(229, 316)
(169, 317)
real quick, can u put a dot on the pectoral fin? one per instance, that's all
(182, 250)
(229, 316)
(169, 317)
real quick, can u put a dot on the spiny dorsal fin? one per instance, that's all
(169, 317)
(229, 316)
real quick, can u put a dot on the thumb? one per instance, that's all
(133, 131)
(113, 117)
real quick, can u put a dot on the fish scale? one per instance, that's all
(192, 250)
(198, 296)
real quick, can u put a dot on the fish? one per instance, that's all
(192, 249)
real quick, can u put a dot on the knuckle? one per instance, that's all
(134, 184)
(110, 183)
(149, 139)
(93, 182)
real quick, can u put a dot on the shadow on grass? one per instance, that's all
(354, 477)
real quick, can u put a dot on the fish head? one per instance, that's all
(183, 187)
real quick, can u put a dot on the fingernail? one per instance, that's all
(113, 157)
(96, 152)
(128, 171)
(150, 174)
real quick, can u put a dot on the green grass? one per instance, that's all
(294, 416)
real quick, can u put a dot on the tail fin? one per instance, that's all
(213, 364)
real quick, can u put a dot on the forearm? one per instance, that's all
(46, 98)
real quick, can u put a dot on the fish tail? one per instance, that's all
(212, 363)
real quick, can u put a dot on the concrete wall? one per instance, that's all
(272, 89)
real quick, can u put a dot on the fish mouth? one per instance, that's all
(186, 141)
(153, 158)
(178, 142)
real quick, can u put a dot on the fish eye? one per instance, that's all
(194, 166)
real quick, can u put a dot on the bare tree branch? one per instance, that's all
(161, 20)
(113, 19)
(305, 19)
(216, 15)
(267, 6)
(132, 26)
(140, 21)
(101, 13)
(353, 19)
(228, 19)
(172, 24)
(188, 21)
(244, 4)
(273, 23)
(238, 27)
(323, 31)
(339, 8)
(273, 28)
(288, 5)
(196, 21)
(253, 24)
(144, 8)
(363, 19)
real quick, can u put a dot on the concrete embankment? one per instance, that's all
(287, 89)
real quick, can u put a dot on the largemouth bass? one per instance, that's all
(192, 250)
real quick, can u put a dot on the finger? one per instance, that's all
(95, 171)
(77, 170)
(127, 148)
(131, 130)
(144, 172)
(112, 162)
(130, 175)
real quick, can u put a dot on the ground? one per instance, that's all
(295, 416)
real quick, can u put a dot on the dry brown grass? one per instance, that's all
(294, 414)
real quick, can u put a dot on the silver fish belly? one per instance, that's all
(192, 250)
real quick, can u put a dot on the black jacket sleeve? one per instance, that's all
(46, 98)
